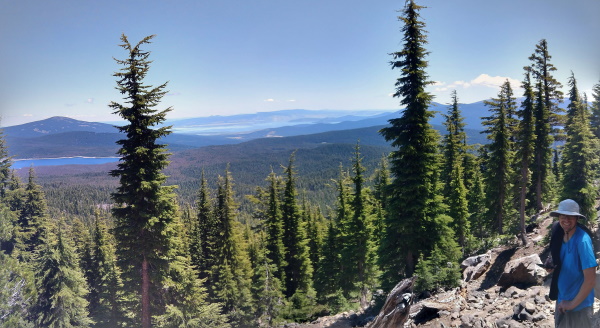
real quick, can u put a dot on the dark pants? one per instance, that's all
(574, 319)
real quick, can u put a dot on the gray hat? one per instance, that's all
(567, 207)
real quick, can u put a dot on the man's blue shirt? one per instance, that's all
(576, 255)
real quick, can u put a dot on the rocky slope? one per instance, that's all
(504, 288)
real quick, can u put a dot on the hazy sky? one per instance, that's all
(224, 57)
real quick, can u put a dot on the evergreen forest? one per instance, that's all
(136, 250)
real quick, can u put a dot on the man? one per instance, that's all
(575, 268)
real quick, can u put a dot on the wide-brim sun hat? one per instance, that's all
(568, 207)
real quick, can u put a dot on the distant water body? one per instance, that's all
(21, 163)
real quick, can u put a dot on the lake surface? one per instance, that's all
(21, 163)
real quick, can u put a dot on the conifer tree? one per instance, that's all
(525, 143)
(299, 270)
(501, 157)
(5, 164)
(267, 291)
(454, 142)
(579, 157)
(313, 221)
(328, 281)
(104, 279)
(440, 269)
(231, 275)
(358, 252)
(184, 296)
(144, 208)
(475, 196)
(32, 217)
(206, 233)
(410, 227)
(17, 290)
(381, 199)
(546, 118)
(595, 111)
(454, 149)
(274, 222)
(60, 283)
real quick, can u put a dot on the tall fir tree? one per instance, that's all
(499, 165)
(546, 119)
(579, 159)
(144, 207)
(525, 143)
(410, 227)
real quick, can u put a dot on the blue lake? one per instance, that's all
(21, 163)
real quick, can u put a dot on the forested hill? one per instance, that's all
(65, 137)
(318, 159)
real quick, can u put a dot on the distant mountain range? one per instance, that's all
(62, 136)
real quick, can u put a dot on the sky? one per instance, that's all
(227, 57)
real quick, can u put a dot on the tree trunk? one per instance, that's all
(522, 203)
(396, 308)
(146, 323)
(410, 264)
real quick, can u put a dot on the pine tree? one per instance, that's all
(414, 202)
(60, 283)
(144, 208)
(546, 118)
(525, 143)
(579, 157)
(501, 157)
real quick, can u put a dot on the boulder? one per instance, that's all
(523, 271)
(475, 266)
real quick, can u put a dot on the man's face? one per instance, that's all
(567, 222)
